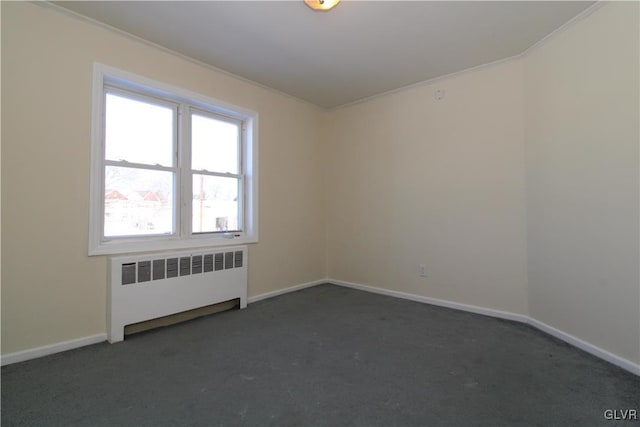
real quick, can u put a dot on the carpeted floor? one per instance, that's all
(324, 356)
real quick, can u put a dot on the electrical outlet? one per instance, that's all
(423, 270)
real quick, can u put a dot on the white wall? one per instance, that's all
(412, 179)
(519, 190)
(582, 114)
(51, 290)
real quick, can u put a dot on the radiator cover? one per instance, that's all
(147, 286)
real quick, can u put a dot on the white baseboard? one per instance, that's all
(623, 363)
(434, 301)
(33, 353)
(260, 297)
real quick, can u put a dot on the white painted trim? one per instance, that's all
(34, 353)
(427, 82)
(294, 288)
(605, 355)
(564, 27)
(434, 301)
(579, 17)
(625, 364)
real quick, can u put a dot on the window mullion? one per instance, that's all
(242, 189)
(184, 156)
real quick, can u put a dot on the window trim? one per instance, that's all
(104, 75)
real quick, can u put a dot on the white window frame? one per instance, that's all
(186, 101)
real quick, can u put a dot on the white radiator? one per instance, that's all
(148, 286)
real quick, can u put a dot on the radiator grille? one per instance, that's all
(157, 269)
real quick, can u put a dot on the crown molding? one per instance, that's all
(75, 15)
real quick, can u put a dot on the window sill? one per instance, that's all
(119, 247)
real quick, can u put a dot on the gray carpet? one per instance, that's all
(324, 356)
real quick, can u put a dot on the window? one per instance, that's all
(170, 169)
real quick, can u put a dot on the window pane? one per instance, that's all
(138, 131)
(137, 202)
(214, 145)
(215, 204)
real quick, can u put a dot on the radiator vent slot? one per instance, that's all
(144, 271)
(129, 273)
(158, 269)
(237, 259)
(219, 261)
(172, 267)
(208, 263)
(196, 264)
(228, 260)
(185, 266)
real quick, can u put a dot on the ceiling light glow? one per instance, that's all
(321, 4)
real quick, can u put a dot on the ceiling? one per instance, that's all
(357, 50)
